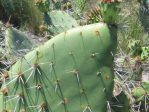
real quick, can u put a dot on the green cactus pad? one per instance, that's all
(72, 72)
(140, 92)
(109, 11)
(59, 21)
(17, 42)
(141, 96)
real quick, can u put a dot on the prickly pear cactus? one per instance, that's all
(104, 11)
(59, 21)
(72, 72)
(141, 95)
(109, 10)
(140, 92)
(17, 42)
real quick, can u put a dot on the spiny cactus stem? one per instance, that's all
(82, 90)
(42, 73)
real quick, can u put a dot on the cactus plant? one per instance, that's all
(59, 21)
(141, 91)
(102, 11)
(109, 10)
(17, 42)
(72, 72)
(141, 95)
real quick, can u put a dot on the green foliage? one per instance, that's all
(70, 72)
(128, 29)
(135, 47)
(145, 53)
